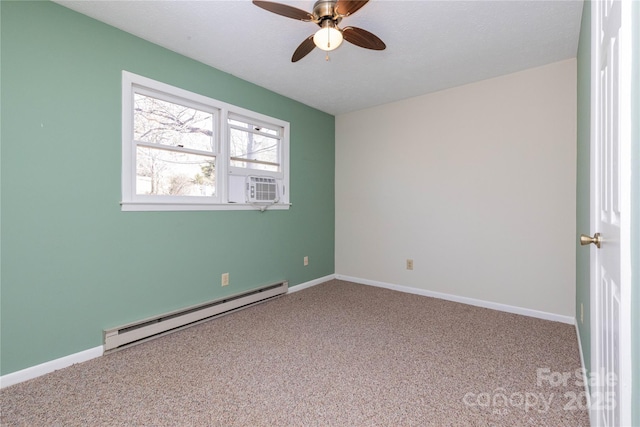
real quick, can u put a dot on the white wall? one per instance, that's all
(477, 184)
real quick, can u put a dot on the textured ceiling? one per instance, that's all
(431, 45)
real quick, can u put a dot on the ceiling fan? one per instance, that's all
(327, 14)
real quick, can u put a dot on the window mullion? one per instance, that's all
(222, 170)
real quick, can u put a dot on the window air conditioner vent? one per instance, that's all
(262, 189)
(254, 189)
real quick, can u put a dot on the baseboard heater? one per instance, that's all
(153, 327)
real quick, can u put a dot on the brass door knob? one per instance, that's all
(585, 240)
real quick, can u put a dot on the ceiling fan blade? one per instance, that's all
(349, 7)
(284, 10)
(304, 49)
(362, 38)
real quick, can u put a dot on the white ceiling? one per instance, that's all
(431, 45)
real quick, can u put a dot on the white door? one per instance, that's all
(610, 209)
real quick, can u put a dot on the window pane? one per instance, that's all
(164, 172)
(261, 152)
(239, 124)
(175, 125)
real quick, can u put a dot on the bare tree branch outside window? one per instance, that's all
(176, 152)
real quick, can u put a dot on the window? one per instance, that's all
(175, 148)
(254, 146)
(177, 156)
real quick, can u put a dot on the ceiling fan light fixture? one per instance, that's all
(329, 37)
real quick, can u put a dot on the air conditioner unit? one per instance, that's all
(253, 189)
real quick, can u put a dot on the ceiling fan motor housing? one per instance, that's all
(324, 9)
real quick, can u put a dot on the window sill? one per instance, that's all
(145, 206)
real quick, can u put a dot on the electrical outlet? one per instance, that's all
(409, 264)
(306, 261)
(225, 279)
(581, 313)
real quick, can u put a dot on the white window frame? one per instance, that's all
(132, 84)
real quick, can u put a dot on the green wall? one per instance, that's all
(583, 177)
(72, 262)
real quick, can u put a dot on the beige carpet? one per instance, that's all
(337, 354)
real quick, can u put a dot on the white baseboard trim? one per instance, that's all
(464, 300)
(585, 373)
(47, 367)
(311, 283)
